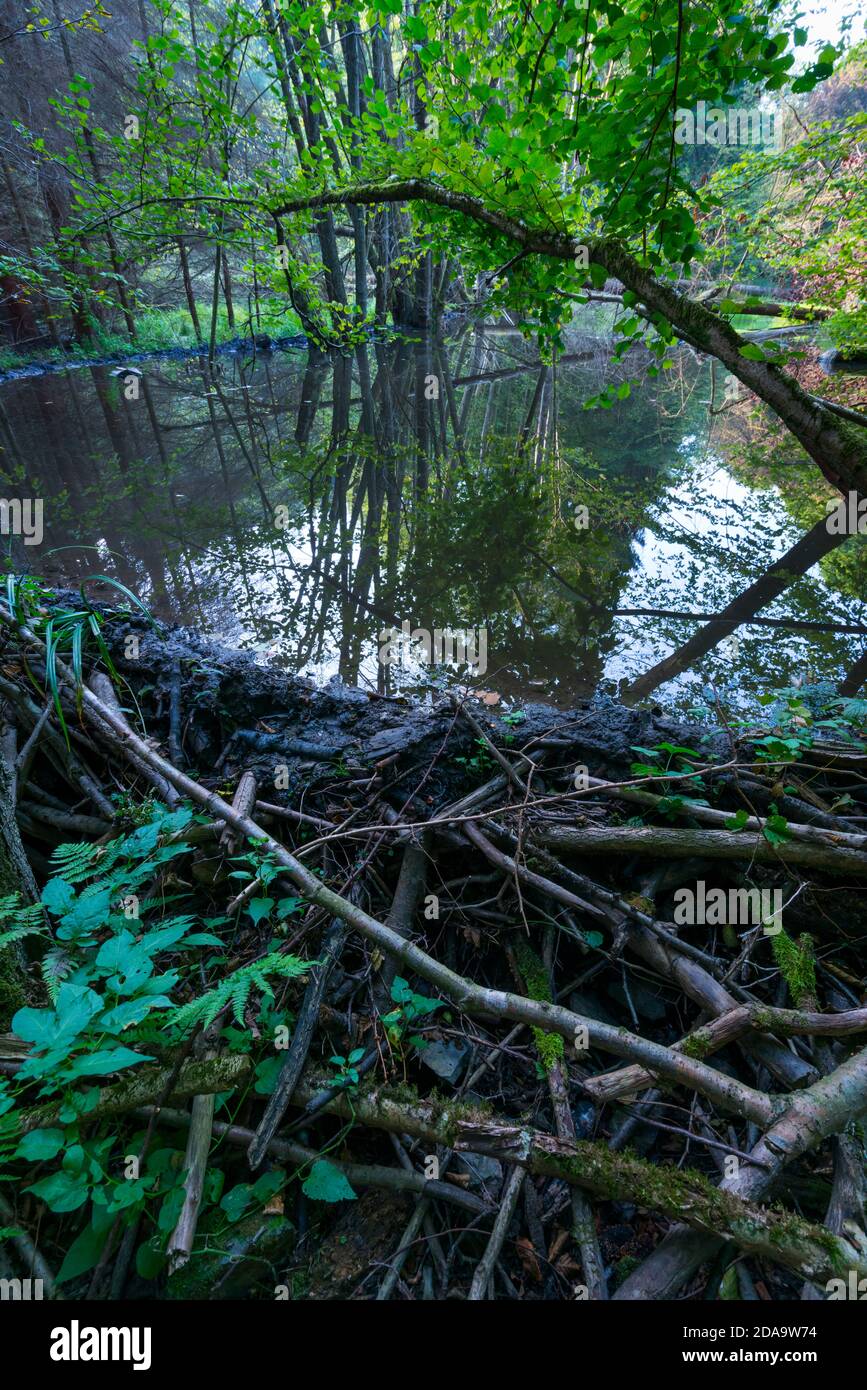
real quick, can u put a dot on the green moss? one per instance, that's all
(677, 1191)
(797, 965)
(12, 995)
(623, 1269)
(549, 1046)
(234, 1260)
(440, 1115)
(696, 1047)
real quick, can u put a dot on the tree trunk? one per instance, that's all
(16, 876)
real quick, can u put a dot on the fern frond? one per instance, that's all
(74, 862)
(54, 967)
(24, 914)
(28, 919)
(18, 934)
(235, 990)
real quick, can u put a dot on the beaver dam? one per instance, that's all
(320, 993)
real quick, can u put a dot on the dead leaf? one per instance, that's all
(560, 1238)
(529, 1259)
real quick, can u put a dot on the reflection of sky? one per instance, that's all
(743, 531)
(689, 532)
(709, 502)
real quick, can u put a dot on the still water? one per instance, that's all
(302, 505)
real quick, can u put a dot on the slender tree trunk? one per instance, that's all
(16, 876)
(188, 288)
(113, 252)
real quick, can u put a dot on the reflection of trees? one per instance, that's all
(434, 481)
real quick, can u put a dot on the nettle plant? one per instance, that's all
(675, 767)
(406, 1019)
(799, 719)
(115, 963)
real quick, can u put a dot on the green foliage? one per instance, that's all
(234, 991)
(347, 1068)
(480, 761)
(63, 629)
(411, 1009)
(327, 1183)
(573, 116)
(800, 211)
(29, 919)
(799, 719)
(797, 965)
(237, 1200)
(103, 955)
(675, 759)
(116, 964)
(261, 867)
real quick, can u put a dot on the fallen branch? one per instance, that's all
(662, 842)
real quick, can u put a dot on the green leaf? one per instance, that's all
(267, 1073)
(40, 1144)
(121, 588)
(84, 1252)
(235, 1202)
(76, 1006)
(61, 1191)
(265, 1187)
(90, 911)
(287, 907)
(326, 1183)
(776, 830)
(105, 1061)
(259, 908)
(58, 896)
(149, 1260)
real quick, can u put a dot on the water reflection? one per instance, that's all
(301, 504)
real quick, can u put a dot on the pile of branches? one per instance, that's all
(552, 1084)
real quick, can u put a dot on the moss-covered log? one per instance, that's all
(147, 1087)
(680, 1194)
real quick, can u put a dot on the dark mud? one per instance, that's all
(237, 714)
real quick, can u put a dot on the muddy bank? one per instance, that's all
(260, 343)
(239, 713)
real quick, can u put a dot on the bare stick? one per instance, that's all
(482, 1276)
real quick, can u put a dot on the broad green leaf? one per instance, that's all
(326, 1183)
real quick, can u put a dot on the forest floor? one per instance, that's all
(536, 1024)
